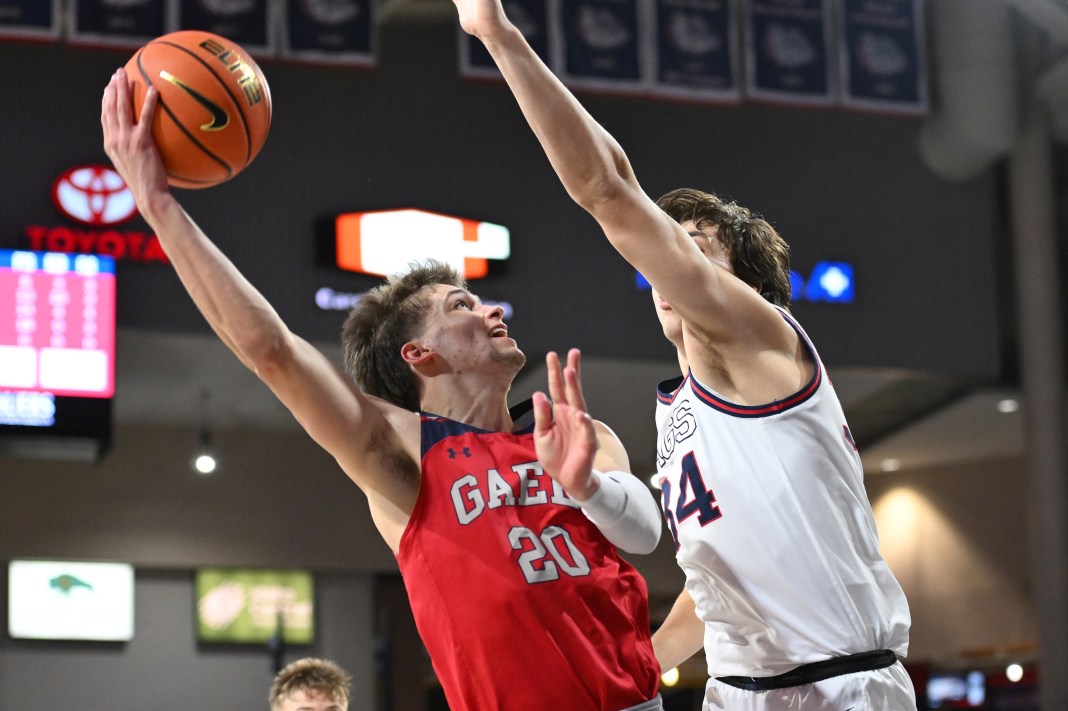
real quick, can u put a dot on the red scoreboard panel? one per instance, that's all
(57, 354)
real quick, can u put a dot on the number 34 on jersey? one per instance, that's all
(693, 497)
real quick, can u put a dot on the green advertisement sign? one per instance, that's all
(241, 605)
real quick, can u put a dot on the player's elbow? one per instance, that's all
(267, 353)
(647, 536)
(602, 192)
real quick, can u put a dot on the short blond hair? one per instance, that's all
(310, 674)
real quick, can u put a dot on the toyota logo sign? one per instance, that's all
(94, 195)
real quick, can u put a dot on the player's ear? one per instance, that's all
(415, 353)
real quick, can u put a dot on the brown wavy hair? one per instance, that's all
(759, 255)
(385, 318)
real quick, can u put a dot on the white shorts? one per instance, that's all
(888, 689)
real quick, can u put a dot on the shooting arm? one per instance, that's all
(323, 400)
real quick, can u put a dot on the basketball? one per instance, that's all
(214, 107)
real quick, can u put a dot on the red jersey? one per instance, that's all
(519, 598)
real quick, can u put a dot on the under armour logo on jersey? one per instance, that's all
(465, 451)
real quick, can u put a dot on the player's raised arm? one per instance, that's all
(327, 404)
(588, 160)
(598, 176)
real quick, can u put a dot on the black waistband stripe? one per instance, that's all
(816, 671)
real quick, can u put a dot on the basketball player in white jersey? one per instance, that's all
(762, 485)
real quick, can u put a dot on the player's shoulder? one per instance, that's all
(391, 426)
(399, 418)
(611, 454)
(604, 432)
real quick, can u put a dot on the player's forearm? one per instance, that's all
(625, 512)
(588, 160)
(235, 310)
(681, 635)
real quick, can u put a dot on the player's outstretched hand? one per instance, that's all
(129, 143)
(482, 18)
(564, 436)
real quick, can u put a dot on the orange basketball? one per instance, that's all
(214, 105)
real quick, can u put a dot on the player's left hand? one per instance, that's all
(564, 436)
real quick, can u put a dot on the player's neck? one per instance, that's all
(684, 364)
(479, 404)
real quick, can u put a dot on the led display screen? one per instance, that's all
(956, 690)
(57, 353)
(249, 606)
(57, 323)
(70, 600)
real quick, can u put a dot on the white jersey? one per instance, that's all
(774, 529)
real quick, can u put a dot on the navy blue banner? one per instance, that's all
(29, 18)
(244, 22)
(531, 17)
(129, 24)
(882, 55)
(331, 31)
(696, 52)
(787, 56)
(601, 44)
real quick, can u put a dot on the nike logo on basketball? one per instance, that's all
(219, 118)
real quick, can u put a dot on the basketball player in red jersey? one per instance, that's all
(506, 532)
(762, 484)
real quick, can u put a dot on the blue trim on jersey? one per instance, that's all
(435, 428)
(668, 389)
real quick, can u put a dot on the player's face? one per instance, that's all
(310, 700)
(468, 334)
(707, 240)
(670, 321)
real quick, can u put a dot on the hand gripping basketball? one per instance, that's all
(214, 107)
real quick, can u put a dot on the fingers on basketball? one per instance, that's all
(214, 107)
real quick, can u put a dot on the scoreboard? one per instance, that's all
(57, 354)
